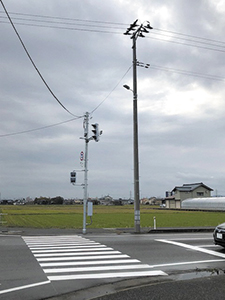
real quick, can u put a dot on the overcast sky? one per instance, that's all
(79, 48)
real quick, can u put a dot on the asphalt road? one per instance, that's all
(47, 265)
(205, 288)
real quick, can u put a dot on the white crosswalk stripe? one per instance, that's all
(74, 257)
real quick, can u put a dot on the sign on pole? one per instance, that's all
(81, 156)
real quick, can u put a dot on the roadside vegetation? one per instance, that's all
(71, 216)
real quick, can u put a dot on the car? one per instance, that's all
(219, 235)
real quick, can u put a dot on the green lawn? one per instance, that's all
(71, 216)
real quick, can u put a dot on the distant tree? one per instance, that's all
(57, 200)
(42, 200)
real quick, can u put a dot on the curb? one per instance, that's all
(174, 230)
(91, 231)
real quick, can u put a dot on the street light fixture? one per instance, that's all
(136, 31)
(127, 87)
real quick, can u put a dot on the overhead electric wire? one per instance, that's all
(39, 128)
(161, 68)
(68, 28)
(212, 48)
(191, 40)
(190, 45)
(111, 90)
(118, 26)
(180, 38)
(65, 23)
(188, 73)
(189, 35)
(68, 19)
(60, 123)
(31, 60)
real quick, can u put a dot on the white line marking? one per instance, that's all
(82, 257)
(55, 237)
(72, 249)
(192, 239)
(65, 246)
(210, 252)
(85, 263)
(186, 263)
(76, 253)
(209, 246)
(78, 258)
(107, 275)
(91, 269)
(56, 241)
(24, 287)
(59, 243)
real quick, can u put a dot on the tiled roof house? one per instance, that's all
(190, 190)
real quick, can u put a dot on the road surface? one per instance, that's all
(47, 266)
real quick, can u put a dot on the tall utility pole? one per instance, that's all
(136, 31)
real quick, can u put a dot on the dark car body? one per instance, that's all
(219, 235)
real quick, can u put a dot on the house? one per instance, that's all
(191, 190)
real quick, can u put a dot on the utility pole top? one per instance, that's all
(137, 30)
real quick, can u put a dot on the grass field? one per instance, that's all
(71, 216)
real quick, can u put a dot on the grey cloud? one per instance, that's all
(83, 69)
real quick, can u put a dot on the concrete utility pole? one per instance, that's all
(136, 31)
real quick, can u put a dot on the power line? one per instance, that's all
(105, 25)
(89, 23)
(66, 18)
(111, 91)
(188, 73)
(189, 35)
(190, 45)
(81, 22)
(39, 128)
(161, 68)
(212, 48)
(31, 60)
(192, 40)
(60, 123)
(114, 25)
(68, 28)
(65, 22)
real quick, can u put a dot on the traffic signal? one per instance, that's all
(73, 177)
(95, 132)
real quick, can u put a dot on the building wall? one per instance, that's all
(182, 195)
(201, 192)
(173, 204)
(178, 204)
(197, 193)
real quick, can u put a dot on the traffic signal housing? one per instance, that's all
(96, 133)
(73, 177)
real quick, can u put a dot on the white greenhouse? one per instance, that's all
(211, 203)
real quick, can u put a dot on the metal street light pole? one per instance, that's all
(86, 124)
(136, 32)
(95, 136)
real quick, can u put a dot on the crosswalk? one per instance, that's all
(74, 257)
